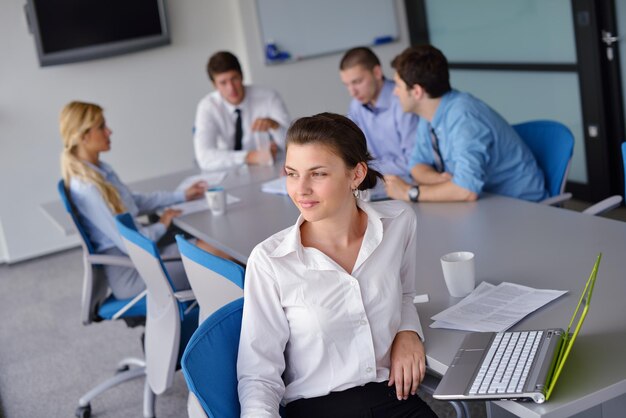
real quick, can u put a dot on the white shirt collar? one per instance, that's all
(373, 235)
(231, 107)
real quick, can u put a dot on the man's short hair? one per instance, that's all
(359, 56)
(221, 62)
(424, 65)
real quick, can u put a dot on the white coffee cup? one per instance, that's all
(459, 273)
(216, 198)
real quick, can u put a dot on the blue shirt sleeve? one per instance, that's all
(468, 155)
(422, 150)
(149, 202)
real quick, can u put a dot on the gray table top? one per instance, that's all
(514, 241)
(239, 176)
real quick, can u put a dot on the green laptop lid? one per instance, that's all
(569, 338)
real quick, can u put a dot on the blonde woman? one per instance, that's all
(99, 195)
(329, 327)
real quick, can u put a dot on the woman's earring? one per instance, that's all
(355, 192)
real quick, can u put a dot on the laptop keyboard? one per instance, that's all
(507, 364)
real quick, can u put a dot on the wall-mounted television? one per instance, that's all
(79, 30)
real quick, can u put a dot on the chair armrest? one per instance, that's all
(170, 258)
(111, 260)
(556, 200)
(129, 305)
(604, 205)
(185, 295)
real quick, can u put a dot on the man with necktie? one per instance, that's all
(227, 119)
(463, 147)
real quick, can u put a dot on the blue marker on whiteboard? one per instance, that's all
(273, 53)
(383, 40)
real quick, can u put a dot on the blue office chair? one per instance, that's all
(611, 202)
(99, 304)
(172, 315)
(552, 145)
(210, 362)
(215, 281)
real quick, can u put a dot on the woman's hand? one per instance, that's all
(408, 363)
(196, 190)
(168, 215)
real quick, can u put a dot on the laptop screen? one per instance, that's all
(579, 314)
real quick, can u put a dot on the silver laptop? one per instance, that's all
(513, 364)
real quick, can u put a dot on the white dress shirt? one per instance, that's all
(310, 328)
(214, 129)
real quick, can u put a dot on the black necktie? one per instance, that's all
(238, 130)
(436, 153)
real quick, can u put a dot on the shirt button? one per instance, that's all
(363, 322)
(368, 370)
(353, 282)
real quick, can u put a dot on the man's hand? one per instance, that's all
(408, 363)
(264, 125)
(396, 187)
(262, 157)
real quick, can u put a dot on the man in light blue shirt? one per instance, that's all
(390, 132)
(463, 146)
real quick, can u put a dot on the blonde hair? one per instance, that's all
(77, 118)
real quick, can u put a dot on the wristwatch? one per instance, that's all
(414, 193)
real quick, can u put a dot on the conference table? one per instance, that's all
(514, 241)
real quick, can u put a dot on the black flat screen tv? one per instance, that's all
(79, 30)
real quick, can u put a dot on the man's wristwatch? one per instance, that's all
(414, 193)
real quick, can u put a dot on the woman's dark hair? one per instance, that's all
(342, 136)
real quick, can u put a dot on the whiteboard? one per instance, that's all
(305, 28)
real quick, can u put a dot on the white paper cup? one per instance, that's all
(216, 198)
(459, 273)
(264, 147)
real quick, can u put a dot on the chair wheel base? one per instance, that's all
(122, 369)
(83, 411)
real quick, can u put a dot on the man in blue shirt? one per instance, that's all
(463, 146)
(390, 132)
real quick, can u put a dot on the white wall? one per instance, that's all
(149, 99)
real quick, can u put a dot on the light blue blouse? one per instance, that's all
(99, 221)
(480, 149)
(390, 132)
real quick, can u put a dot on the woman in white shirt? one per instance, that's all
(329, 326)
(99, 195)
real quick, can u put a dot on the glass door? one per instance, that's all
(534, 59)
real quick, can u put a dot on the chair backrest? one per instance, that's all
(164, 314)
(210, 361)
(624, 164)
(214, 280)
(96, 303)
(552, 145)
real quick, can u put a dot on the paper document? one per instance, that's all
(198, 205)
(276, 186)
(492, 308)
(212, 178)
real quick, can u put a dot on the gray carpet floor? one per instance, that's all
(48, 359)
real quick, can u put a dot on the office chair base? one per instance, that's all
(149, 400)
(84, 407)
